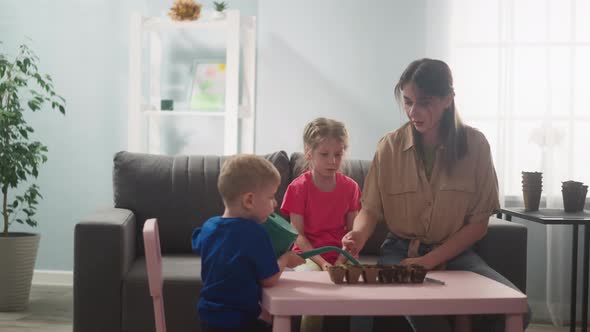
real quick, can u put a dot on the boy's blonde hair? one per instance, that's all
(245, 173)
(320, 129)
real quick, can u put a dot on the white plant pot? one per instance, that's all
(218, 15)
(18, 253)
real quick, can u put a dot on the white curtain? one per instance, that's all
(522, 76)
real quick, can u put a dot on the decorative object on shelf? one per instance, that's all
(185, 10)
(22, 87)
(167, 105)
(532, 186)
(234, 114)
(208, 86)
(574, 196)
(220, 7)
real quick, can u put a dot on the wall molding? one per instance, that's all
(53, 277)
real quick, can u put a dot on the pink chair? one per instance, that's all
(153, 260)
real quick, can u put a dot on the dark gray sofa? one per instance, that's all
(110, 282)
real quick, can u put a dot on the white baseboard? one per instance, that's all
(540, 313)
(53, 278)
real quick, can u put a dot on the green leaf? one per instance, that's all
(23, 88)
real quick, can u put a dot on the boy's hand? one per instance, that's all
(292, 259)
(325, 266)
(265, 316)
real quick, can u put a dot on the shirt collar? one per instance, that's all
(409, 138)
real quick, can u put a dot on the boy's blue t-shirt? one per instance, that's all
(236, 254)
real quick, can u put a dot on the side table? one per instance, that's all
(560, 217)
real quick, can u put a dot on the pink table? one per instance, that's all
(465, 293)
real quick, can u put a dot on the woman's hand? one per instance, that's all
(422, 260)
(341, 260)
(364, 225)
(353, 242)
(325, 266)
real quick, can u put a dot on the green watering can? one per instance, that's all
(283, 235)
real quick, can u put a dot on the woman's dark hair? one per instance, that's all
(433, 78)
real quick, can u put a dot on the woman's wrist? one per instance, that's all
(340, 260)
(430, 260)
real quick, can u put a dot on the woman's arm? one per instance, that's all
(350, 216)
(303, 243)
(456, 244)
(363, 227)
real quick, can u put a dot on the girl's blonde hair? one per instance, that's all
(319, 130)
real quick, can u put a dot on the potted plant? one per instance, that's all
(220, 7)
(22, 88)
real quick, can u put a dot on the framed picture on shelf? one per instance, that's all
(207, 92)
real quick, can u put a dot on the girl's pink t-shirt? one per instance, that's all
(324, 213)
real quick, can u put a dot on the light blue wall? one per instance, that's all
(332, 58)
(338, 59)
(83, 45)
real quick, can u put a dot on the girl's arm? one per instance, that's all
(349, 223)
(456, 244)
(303, 243)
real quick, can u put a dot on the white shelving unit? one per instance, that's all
(239, 112)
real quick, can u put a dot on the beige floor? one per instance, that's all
(51, 311)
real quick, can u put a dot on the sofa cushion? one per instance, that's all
(180, 191)
(182, 284)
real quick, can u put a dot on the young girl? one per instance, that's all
(322, 202)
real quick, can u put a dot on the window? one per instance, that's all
(522, 76)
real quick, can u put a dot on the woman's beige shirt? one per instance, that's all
(396, 188)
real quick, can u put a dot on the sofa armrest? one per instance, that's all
(104, 248)
(504, 248)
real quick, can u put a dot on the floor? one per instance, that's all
(51, 311)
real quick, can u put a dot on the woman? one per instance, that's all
(434, 184)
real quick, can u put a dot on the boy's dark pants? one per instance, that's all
(255, 326)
